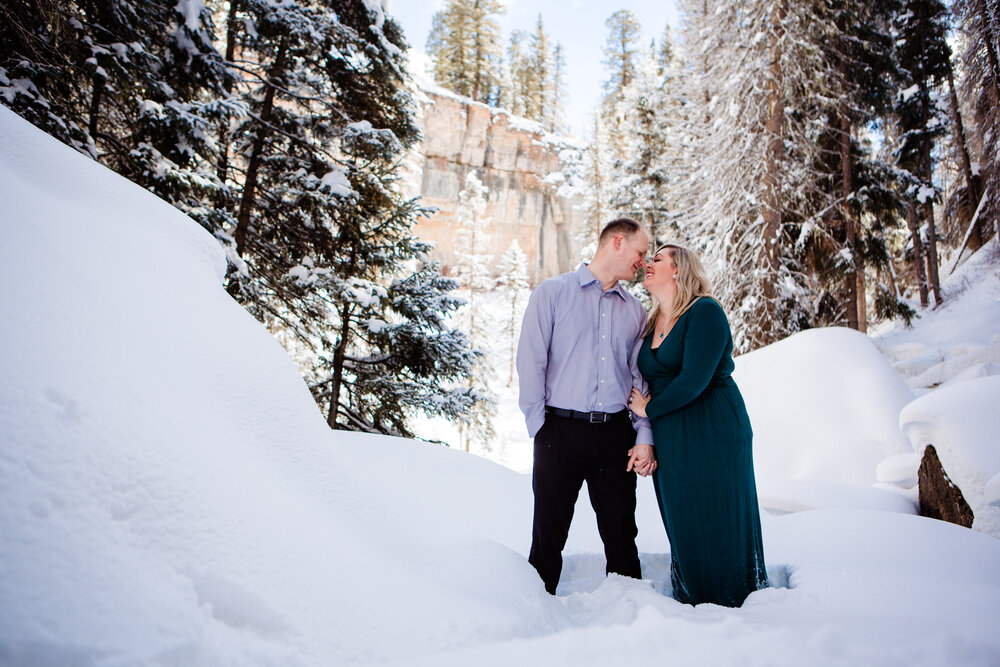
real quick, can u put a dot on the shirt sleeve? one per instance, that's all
(643, 431)
(704, 343)
(532, 358)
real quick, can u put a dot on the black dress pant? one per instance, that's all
(567, 453)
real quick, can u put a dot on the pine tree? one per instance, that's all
(620, 57)
(322, 241)
(136, 84)
(464, 44)
(639, 177)
(513, 270)
(537, 72)
(924, 55)
(473, 270)
(979, 27)
(515, 72)
(555, 120)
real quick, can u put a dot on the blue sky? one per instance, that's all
(577, 24)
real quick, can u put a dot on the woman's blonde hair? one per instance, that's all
(692, 284)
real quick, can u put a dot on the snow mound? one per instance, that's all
(962, 422)
(823, 406)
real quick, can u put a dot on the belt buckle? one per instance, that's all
(602, 418)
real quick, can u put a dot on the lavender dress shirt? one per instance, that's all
(578, 349)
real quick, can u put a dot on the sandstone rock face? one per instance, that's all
(513, 159)
(939, 497)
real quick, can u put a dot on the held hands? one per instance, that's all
(642, 460)
(637, 402)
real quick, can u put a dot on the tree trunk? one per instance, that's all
(918, 251)
(932, 256)
(771, 213)
(991, 43)
(253, 165)
(958, 132)
(339, 355)
(95, 104)
(222, 169)
(850, 225)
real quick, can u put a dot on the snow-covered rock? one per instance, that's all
(962, 421)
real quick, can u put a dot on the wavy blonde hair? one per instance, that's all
(692, 284)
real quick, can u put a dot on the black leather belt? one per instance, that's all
(592, 417)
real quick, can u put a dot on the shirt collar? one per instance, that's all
(587, 277)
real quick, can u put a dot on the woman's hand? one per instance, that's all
(642, 459)
(637, 402)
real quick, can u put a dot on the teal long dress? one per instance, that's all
(704, 482)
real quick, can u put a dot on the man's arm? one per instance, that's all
(642, 458)
(533, 358)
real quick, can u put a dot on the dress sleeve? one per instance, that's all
(704, 343)
(533, 358)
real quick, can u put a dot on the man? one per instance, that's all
(576, 367)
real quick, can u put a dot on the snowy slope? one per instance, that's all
(172, 496)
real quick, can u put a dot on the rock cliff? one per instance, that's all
(517, 162)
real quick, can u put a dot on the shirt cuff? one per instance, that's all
(643, 431)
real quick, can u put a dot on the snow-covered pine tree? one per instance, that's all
(845, 242)
(555, 120)
(514, 74)
(464, 44)
(924, 58)
(621, 53)
(136, 84)
(42, 55)
(597, 168)
(474, 271)
(748, 141)
(323, 235)
(639, 177)
(513, 270)
(978, 26)
(537, 75)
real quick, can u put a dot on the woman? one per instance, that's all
(704, 482)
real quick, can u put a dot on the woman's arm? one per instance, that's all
(704, 342)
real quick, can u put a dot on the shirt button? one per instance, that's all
(604, 314)
(603, 336)
(602, 358)
(602, 381)
(600, 404)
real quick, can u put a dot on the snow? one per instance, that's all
(173, 496)
(338, 184)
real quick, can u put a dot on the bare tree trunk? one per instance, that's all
(932, 256)
(95, 104)
(222, 169)
(339, 356)
(771, 213)
(972, 192)
(253, 165)
(913, 223)
(850, 225)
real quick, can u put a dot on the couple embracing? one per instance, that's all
(609, 392)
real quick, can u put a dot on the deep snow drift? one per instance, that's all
(172, 496)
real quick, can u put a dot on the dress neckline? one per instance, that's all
(672, 329)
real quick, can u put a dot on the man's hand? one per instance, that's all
(641, 459)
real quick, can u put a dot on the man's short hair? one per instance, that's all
(624, 226)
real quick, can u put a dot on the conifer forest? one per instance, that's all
(830, 159)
